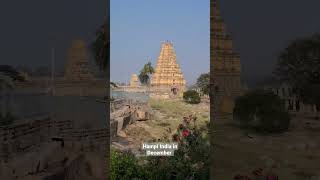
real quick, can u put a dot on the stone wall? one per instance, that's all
(27, 136)
(86, 139)
(23, 137)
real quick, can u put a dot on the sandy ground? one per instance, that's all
(296, 153)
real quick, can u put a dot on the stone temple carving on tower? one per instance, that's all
(225, 64)
(168, 76)
(77, 67)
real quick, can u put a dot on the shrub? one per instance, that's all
(263, 111)
(191, 97)
(124, 165)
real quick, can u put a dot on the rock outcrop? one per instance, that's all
(128, 114)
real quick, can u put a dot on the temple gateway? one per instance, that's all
(77, 67)
(168, 80)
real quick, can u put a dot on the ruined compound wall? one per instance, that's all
(26, 137)
(86, 139)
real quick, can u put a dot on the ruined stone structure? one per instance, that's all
(225, 65)
(77, 67)
(126, 112)
(168, 77)
(134, 82)
(22, 142)
(293, 103)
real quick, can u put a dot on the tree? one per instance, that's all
(191, 97)
(100, 48)
(261, 110)
(145, 73)
(203, 82)
(299, 66)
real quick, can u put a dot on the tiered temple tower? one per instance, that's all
(77, 67)
(225, 65)
(168, 75)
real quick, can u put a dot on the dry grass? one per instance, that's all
(169, 113)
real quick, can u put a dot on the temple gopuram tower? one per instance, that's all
(225, 67)
(77, 67)
(168, 76)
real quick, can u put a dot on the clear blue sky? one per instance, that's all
(139, 26)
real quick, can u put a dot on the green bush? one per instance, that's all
(124, 165)
(263, 111)
(191, 97)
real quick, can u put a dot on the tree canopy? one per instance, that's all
(100, 48)
(299, 66)
(203, 82)
(145, 73)
(191, 97)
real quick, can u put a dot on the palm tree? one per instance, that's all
(145, 73)
(100, 48)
